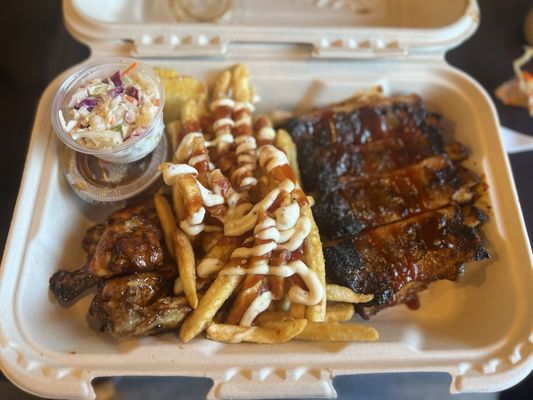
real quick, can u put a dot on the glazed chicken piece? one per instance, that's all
(140, 304)
(129, 241)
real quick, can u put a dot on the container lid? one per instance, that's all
(332, 28)
(99, 181)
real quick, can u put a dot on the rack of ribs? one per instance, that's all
(392, 200)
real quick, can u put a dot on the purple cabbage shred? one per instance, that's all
(116, 79)
(133, 92)
(116, 91)
(89, 102)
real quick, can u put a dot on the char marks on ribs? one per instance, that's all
(392, 201)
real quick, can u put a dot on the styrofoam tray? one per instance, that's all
(478, 330)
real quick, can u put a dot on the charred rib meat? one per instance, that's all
(396, 260)
(427, 185)
(388, 191)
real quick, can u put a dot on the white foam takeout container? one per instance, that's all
(478, 330)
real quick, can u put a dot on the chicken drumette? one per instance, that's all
(139, 304)
(129, 241)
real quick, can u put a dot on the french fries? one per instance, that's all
(284, 142)
(339, 312)
(167, 220)
(338, 332)
(297, 310)
(346, 295)
(186, 265)
(314, 259)
(179, 205)
(219, 291)
(256, 281)
(179, 89)
(281, 332)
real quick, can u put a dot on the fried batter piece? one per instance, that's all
(129, 241)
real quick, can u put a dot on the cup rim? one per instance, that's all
(70, 82)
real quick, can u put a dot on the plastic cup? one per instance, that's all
(133, 148)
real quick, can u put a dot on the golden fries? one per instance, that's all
(167, 220)
(346, 295)
(338, 332)
(284, 142)
(271, 315)
(179, 89)
(314, 258)
(282, 332)
(219, 291)
(241, 83)
(186, 265)
(179, 205)
(297, 310)
(339, 312)
(173, 129)
(277, 251)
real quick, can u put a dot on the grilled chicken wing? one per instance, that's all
(140, 304)
(129, 241)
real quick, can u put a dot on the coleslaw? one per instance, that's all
(103, 113)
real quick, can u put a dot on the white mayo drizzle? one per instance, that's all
(270, 157)
(209, 266)
(243, 105)
(172, 171)
(299, 233)
(296, 293)
(198, 159)
(239, 226)
(222, 138)
(286, 216)
(193, 224)
(223, 122)
(257, 306)
(184, 150)
(266, 133)
(224, 102)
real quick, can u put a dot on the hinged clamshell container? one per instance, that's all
(479, 330)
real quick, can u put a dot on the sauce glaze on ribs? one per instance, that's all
(388, 191)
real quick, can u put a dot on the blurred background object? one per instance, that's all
(37, 47)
